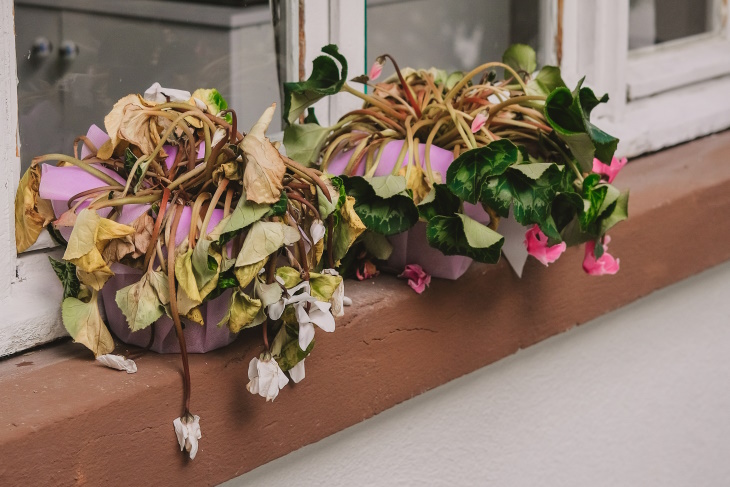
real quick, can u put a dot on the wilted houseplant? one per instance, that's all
(194, 213)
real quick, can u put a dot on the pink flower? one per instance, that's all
(536, 244)
(375, 70)
(605, 264)
(478, 122)
(610, 170)
(366, 271)
(418, 279)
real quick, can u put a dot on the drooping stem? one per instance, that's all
(406, 87)
(174, 310)
(156, 230)
(80, 164)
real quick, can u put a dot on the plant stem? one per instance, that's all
(174, 310)
(80, 164)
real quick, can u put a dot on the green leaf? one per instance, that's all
(311, 117)
(531, 198)
(387, 186)
(140, 302)
(285, 348)
(377, 245)
(66, 273)
(387, 216)
(569, 115)
(263, 239)
(619, 213)
(444, 203)
(594, 194)
(326, 79)
(460, 235)
(214, 101)
(547, 80)
(129, 160)
(521, 58)
(279, 208)
(83, 322)
(466, 175)
(304, 142)
(201, 263)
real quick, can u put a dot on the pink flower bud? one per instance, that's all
(605, 264)
(418, 279)
(609, 170)
(375, 71)
(478, 122)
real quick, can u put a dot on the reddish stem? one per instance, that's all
(406, 87)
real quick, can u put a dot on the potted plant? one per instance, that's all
(189, 231)
(435, 160)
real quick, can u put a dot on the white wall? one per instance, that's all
(639, 397)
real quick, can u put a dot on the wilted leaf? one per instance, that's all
(186, 277)
(214, 101)
(546, 81)
(140, 302)
(245, 213)
(83, 322)
(117, 118)
(242, 312)
(32, 213)
(304, 142)
(289, 275)
(263, 239)
(245, 274)
(326, 79)
(349, 228)
(264, 166)
(323, 285)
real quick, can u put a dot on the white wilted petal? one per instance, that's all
(117, 362)
(158, 94)
(187, 429)
(266, 378)
(297, 372)
(317, 230)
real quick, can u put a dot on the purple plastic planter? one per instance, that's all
(411, 247)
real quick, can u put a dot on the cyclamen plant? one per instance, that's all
(172, 157)
(521, 147)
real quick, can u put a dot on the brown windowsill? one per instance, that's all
(64, 420)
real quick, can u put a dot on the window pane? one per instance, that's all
(653, 21)
(449, 34)
(75, 63)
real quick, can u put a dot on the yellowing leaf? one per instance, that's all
(113, 122)
(195, 316)
(417, 181)
(289, 275)
(32, 213)
(186, 277)
(242, 313)
(348, 230)
(263, 239)
(83, 235)
(139, 128)
(83, 322)
(323, 285)
(265, 169)
(140, 302)
(246, 273)
(95, 279)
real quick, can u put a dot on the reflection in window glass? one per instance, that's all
(449, 34)
(75, 63)
(653, 21)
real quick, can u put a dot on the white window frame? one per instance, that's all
(29, 291)
(660, 96)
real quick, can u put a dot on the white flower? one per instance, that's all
(297, 372)
(317, 231)
(187, 429)
(338, 297)
(265, 378)
(117, 362)
(318, 312)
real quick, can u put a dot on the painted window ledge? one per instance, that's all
(64, 418)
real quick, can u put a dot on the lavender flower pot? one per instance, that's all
(412, 247)
(198, 339)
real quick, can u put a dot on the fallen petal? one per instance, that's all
(117, 362)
